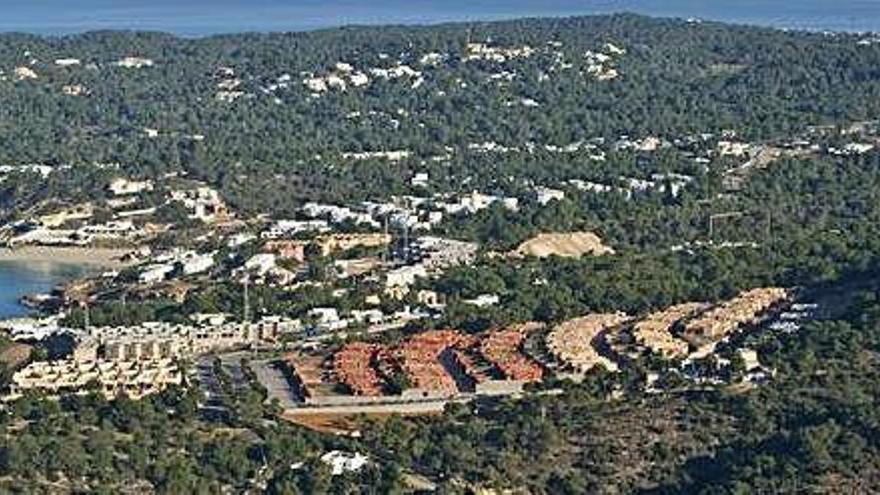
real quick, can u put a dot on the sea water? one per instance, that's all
(19, 279)
(206, 17)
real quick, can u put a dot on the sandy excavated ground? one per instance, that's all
(569, 245)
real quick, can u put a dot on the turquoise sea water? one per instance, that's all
(205, 17)
(18, 279)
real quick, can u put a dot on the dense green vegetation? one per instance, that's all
(809, 221)
(824, 217)
(85, 444)
(262, 149)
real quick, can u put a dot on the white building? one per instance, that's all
(134, 62)
(344, 462)
(733, 148)
(240, 239)
(405, 275)
(261, 263)
(369, 316)
(419, 180)
(22, 73)
(858, 148)
(156, 273)
(283, 228)
(327, 319)
(195, 263)
(594, 187)
(29, 329)
(67, 62)
(483, 300)
(544, 195)
(338, 214)
(74, 90)
(204, 203)
(111, 230)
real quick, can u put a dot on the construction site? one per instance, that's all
(430, 366)
(139, 360)
(684, 331)
(718, 322)
(133, 379)
(420, 373)
(654, 332)
(437, 366)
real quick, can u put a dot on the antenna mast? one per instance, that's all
(247, 301)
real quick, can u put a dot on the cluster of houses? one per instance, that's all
(429, 256)
(184, 262)
(573, 342)
(133, 379)
(441, 364)
(29, 72)
(131, 218)
(436, 364)
(140, 360)
(601, 64)
(342, 76)
(696, 335)
(130, 222)
(414, 213)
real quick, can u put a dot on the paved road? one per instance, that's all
(409, 407)
(425, 407)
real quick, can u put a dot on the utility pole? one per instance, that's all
(247, 302)
(87, 316)
(405, 241)
(385, 251)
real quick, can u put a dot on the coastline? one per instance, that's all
(85, 256)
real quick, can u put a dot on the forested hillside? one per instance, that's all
(235, 110)
(704, 159)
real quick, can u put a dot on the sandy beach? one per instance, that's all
(97, 257)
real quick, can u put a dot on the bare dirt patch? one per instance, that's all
(568, 245)
(338, 424)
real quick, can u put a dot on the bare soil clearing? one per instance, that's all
(569, 245)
